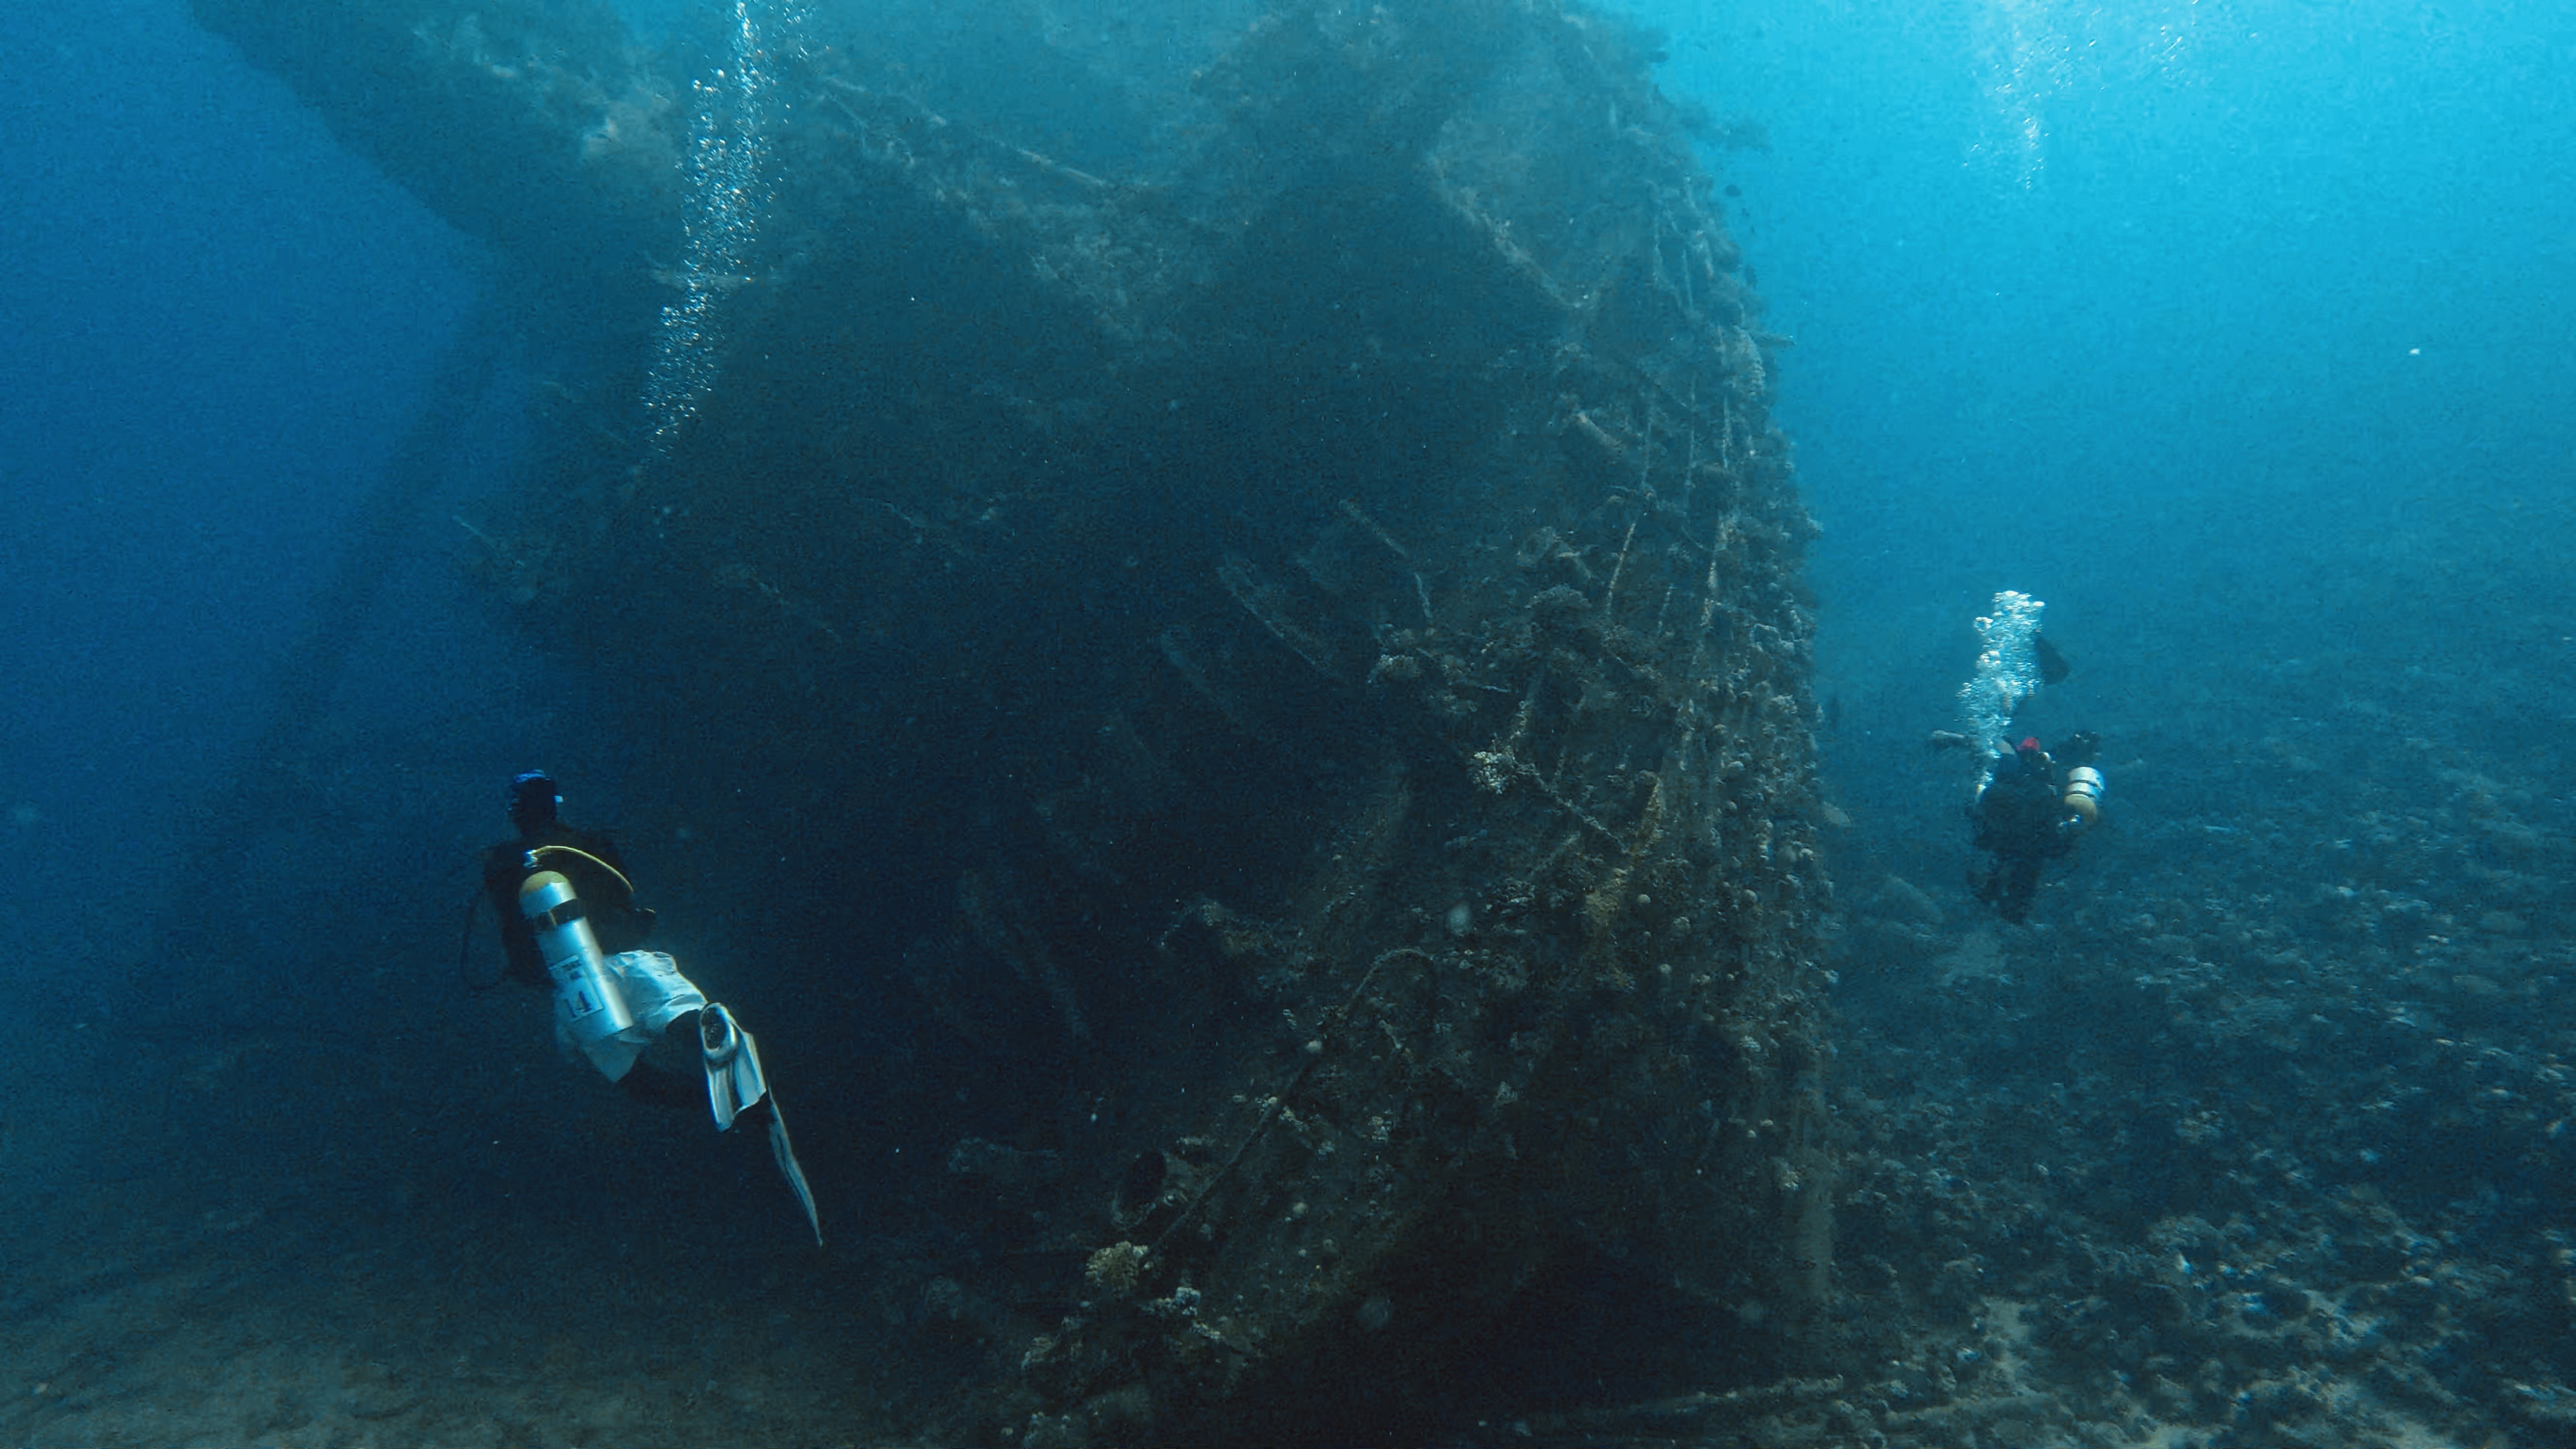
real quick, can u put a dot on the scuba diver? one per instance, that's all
(596, 874)
(570, 923)
(2030, 809)
(2030, 804)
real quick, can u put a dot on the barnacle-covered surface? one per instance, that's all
(1316, 601)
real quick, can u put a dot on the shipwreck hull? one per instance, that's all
(1319, 615)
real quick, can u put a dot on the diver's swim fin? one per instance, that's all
(736, 1084)
(785, 1152)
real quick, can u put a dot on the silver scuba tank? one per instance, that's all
(594, 1007)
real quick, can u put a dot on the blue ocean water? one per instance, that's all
(219, 327)
(2236, 332)
(2166, 313)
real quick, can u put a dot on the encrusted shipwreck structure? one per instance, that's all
(1284, 541)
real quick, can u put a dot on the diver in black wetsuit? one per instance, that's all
(2030, 809)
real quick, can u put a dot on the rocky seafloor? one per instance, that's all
(2259, 1132)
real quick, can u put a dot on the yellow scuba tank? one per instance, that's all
(2084, 793)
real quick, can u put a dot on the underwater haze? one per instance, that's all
(2235, 333)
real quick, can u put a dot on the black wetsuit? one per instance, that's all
(2022, 818)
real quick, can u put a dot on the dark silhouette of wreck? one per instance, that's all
(1283, 550)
